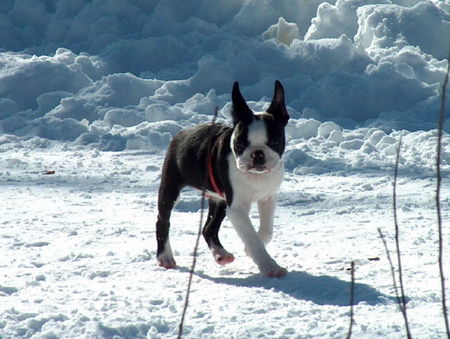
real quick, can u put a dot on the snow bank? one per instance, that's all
(336, 150)
(117, 75)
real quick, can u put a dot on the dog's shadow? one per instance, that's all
(321, 290)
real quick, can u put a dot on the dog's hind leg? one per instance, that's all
(216, 213)
(169, 191)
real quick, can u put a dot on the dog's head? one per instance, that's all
(258, 140)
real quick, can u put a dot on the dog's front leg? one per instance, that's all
(241, 222)
(266, 210)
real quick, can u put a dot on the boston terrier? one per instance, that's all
(236, 166)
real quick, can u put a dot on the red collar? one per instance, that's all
(212, 178)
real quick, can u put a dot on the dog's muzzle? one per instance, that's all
(258, 162)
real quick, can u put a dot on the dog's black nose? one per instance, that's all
(258, 158)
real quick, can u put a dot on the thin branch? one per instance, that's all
(394, 280)
(400, 304)
(397, 242)
(438, 196)
(199, 234)
(191, 271)
(352, 301)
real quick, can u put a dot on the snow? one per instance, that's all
(95, 90)
(113, 63)
(283, 31)
(78, 258)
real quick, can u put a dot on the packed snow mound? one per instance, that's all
(400, 23)
(118, 75)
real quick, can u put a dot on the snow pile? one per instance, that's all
(327, 148)
(117, 75)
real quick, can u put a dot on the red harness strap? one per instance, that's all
(212, 178)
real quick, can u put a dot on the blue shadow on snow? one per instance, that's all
(321, 290)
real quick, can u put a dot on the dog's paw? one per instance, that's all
(167, 262)
(222, 257)
(275, 272)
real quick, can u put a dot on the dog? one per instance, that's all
(236, 166)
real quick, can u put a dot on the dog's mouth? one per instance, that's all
(258, 169)
(252, 168)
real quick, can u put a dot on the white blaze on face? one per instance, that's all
(257, 138)
(257, 133)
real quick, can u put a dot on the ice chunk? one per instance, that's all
(326, 128)
(283, 31)
(302, 128)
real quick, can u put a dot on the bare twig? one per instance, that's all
(400, 304)
(197, 241)
(394, 280)
(352, 300)
(191, 271)
(397, 242)
(438, 195)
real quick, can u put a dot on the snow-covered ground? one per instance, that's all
(78, 255)
(91, 93)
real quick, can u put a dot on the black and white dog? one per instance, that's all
(244, 166)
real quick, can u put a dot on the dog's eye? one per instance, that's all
(239, 145)
(274, 143)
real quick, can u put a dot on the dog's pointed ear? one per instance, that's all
(278, 107)
(240, 111)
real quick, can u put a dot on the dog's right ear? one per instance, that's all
(240, 111)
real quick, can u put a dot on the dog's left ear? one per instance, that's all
(278, 107)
